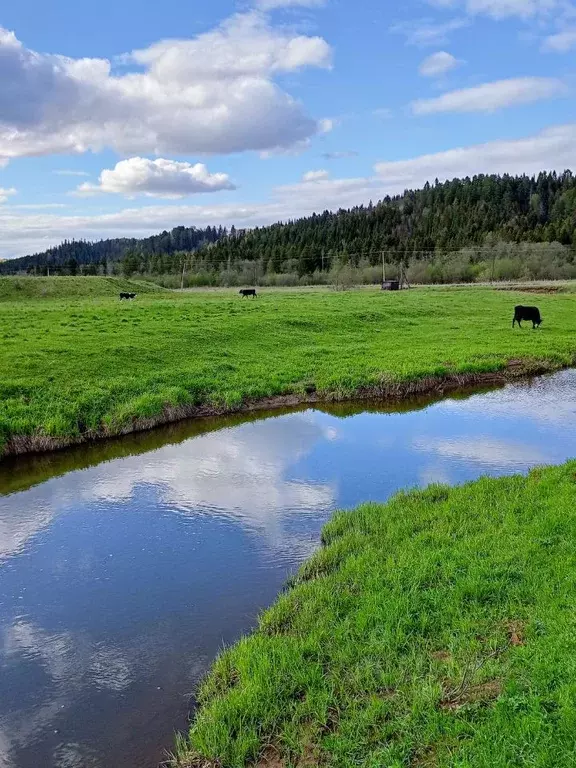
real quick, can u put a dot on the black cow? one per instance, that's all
(248, 292)
(127, 296)
(526, 313)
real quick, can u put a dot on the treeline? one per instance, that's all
(103, 257)
(498, 261)
(440, 218)
(485, 227)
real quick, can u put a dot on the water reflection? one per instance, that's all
(120, 581)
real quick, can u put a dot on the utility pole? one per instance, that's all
(183, 270)
(403, 278)
(383, 268)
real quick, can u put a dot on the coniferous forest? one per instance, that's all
(487, 227)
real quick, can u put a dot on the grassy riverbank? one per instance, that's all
(79, 367)
(435, 630)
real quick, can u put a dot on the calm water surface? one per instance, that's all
(126, 566)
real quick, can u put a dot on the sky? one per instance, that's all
(127, 118)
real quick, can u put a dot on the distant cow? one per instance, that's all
(127, 296)
(248, 292)
(526, 313)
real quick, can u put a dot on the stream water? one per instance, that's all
(125, 566)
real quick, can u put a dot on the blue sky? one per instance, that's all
(125, 118)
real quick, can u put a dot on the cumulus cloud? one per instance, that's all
(490, 97)
(6, 193)
(552, 149)
(157, 178)
(438, 64)
(561, 42)
(424, 32)
(214, 93)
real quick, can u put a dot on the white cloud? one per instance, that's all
(552, 149)
(35, 206)
(6, 193)
(269, 5)
(501, 9)
(561, 42)
(70, 173)
(213, 93)
(327, 124)
(30, 233)
(315, 176)
(438, 64)
(423, 32)
(492, 96)
(157, 178)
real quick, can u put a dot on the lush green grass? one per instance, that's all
(68, 366)
(435, 630)
(17, 288)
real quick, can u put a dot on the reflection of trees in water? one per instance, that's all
(20, 473)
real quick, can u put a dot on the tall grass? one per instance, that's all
(435, 630)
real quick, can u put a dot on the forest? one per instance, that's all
(74, 257)
(480, 228)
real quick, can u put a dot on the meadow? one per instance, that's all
(17, 288)
(435, 630)
(90, 365)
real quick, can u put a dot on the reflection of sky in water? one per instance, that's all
(119, 583)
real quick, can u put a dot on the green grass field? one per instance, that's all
(17, 288)
(437, 630)
(90, 363)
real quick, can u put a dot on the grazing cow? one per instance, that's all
(248, 292)
(526, 313)
(127, 296)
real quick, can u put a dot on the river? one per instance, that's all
(126, 566)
